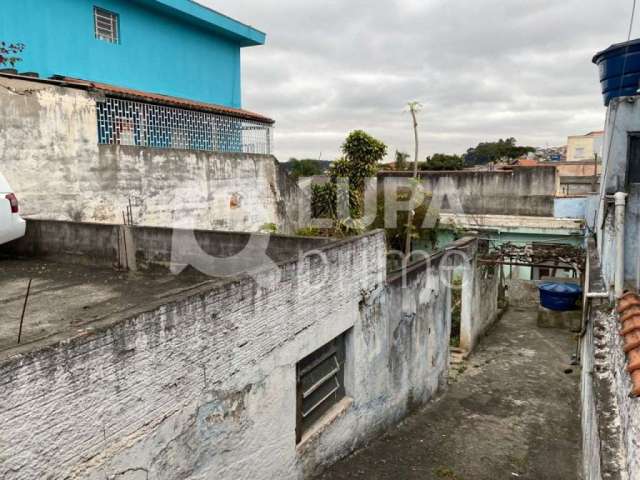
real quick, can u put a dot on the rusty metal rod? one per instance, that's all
(524, 264)
(124, 243)
(24, 309)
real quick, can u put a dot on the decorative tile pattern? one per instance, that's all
(127, 122)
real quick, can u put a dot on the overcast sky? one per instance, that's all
(483, 69)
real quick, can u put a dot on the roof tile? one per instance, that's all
(167, 100)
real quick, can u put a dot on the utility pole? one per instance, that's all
(414, 108)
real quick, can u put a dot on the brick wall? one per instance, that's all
(204, 386)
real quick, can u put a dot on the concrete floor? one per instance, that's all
(64, 297)
(512, 413)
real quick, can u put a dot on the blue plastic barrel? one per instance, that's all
(619, 67)
(559, 296)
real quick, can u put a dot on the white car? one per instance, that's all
(12, 226)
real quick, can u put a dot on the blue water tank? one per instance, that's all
(611, 62)
(559, 296)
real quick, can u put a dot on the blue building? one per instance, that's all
(167, 73)
(171, 47)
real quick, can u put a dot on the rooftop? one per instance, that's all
(515, 223)
(140, 95)
(79, 283)
(208, 18)
(65, 298)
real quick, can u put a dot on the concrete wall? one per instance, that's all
(204, 386)
(608, 442)
(570, 207)
(480, 292)
(523, 191)
(578, 186)
(50, 155)
(578, 168)
(624, 409)
(150, 247)
(583, 207)
(623, 117)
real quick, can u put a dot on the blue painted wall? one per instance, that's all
(569, 207)
(161, 50)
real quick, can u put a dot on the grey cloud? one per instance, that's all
(483, 69)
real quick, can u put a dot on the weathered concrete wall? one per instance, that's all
(578, 186)
(603, 452)
(623, 409)
(623, 117)
(523, 191)
(49, 152)
(631, 237)
(570, 207)
(100, 244)
(480, 292)
(204, 386)
(589, 418)
(577, 168)
(608, 442)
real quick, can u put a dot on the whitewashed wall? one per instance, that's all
(49, 152)
(481, 288)
(204, 387)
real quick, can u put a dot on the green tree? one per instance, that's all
(304, 168)
(361, 158)
(443, 161)
(401, 161)
(488, 152)
(9, 52)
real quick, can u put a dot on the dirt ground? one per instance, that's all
(512, 413)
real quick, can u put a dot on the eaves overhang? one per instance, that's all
(209, 19)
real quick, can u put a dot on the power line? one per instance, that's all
(633, 14)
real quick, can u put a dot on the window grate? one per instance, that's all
(127, 122)
(320, 383)
(106, 25)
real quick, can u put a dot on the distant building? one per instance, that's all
(552, 154)
(526, 162)
(584, 147)
(158, 77)
(167, 72)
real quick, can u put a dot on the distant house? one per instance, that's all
(584, 147)
(169, 69)
(526, 162)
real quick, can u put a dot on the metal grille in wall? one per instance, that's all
(320, 383)
(127, 122)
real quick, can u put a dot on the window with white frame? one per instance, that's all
(106, 25)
